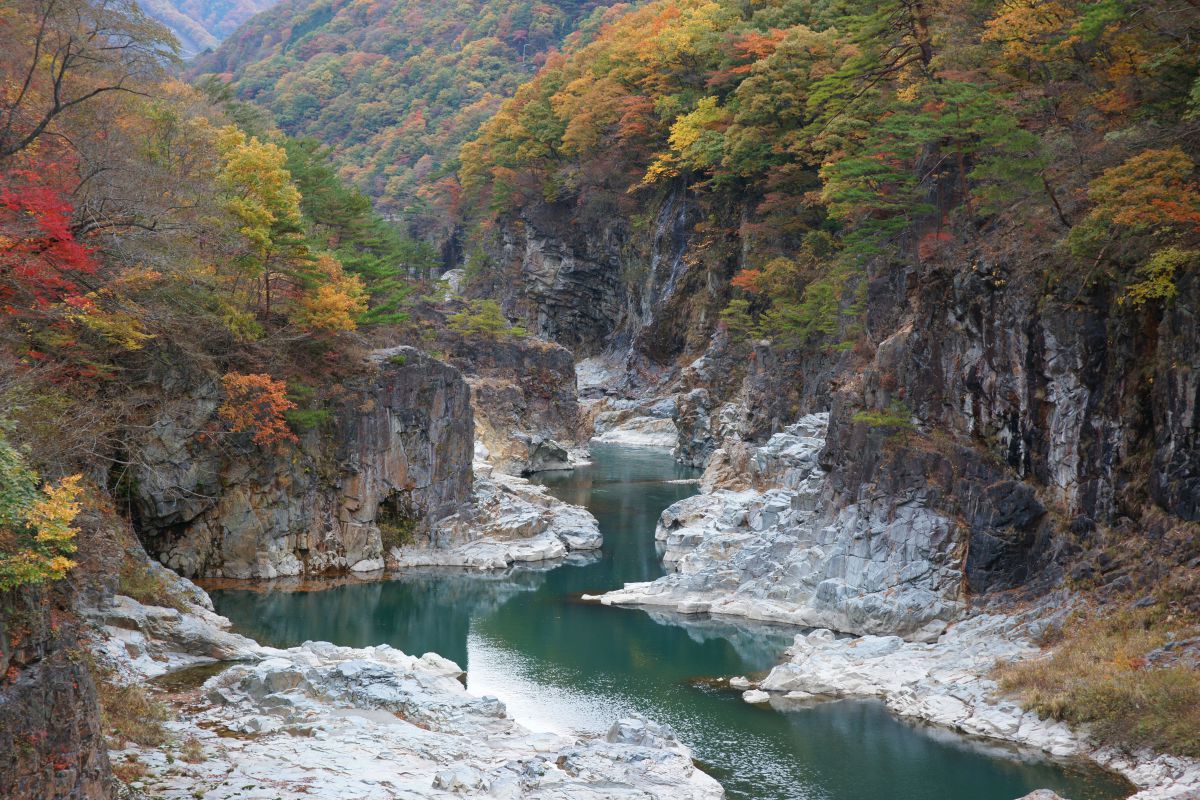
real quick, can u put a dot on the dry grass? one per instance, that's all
(129, 713)
(138, 581)
(191, 750)
(1097, 674)
(129, 769)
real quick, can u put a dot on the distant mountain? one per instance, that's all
(200, 25)
(396, 86)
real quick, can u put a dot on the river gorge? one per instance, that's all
(571, 666)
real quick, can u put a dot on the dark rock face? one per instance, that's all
(610, 285)
(649, 296)
(1032, 403)
(403, 437)
(564, 284)
(749, 391)
(1175, 471)
(51, 745)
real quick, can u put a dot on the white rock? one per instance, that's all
(948, 682)
(641, 431)
(336, 722)
(512, 521)
(761, 542)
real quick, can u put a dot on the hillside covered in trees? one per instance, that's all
(395, 87)
(1066, 132)
(143, 225)
(200, 25)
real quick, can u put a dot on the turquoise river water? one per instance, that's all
(565, 665)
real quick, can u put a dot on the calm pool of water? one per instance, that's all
(560, 664)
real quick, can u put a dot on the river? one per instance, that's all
(566, 665)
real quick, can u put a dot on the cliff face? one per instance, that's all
(1028, 403)
(51, 734)
(523, 399)
(1028, 415)
(399, 445)
(603, 283)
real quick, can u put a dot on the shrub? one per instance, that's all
(139, 581)
(397, 523)
(191, 750)
(483, 319)
(256, 404)
(305, 420)
(897, 415)
(128, 712)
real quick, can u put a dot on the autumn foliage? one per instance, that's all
(900, 129)
(36, 532)
(40, 257)
(394, 88)
(256, 404)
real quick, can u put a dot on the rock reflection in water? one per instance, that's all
(422, 610)
(565, 665)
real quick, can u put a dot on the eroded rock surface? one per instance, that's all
(402, 442)
(774, 546)
(337, 722)
(510, 521)
(948, 682)
(148, 640)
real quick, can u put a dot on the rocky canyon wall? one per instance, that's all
(51, 735)
(523, 399)
(1028, 412)
(611, 283)
(398, 445)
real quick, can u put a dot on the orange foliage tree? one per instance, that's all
(256, 404)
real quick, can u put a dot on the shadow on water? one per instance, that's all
(561, 664)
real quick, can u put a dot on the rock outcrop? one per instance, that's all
(768, 540)
(565, 287)
(370, 723)
(50, 731)
(523, 399)
(1028, 425)
(948, 683)
(145, 641)
(400, 446)
(747, 391)
(510, 521)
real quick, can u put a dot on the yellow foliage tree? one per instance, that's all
(261, 197)
(1152, 197)
(335, 304)
(36, 531)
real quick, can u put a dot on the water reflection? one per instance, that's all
(427, 610)
(561, 664)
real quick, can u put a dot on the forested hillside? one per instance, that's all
(1064, 131)
(200, 25)
(143, 225)
(395, 87)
